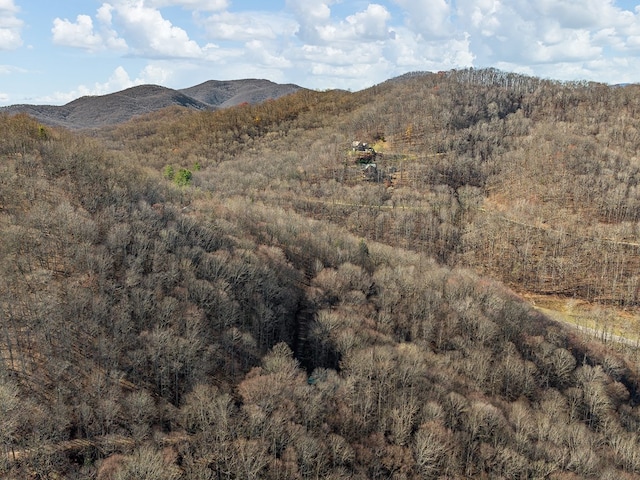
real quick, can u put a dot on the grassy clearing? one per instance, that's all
(623, 323)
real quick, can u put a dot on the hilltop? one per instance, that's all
(224, 94)
(235, 293)
(99, 111)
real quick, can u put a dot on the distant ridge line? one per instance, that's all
(90, 112)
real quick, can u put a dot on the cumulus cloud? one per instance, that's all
(524, 32)
(367, 25)
(260, 53)
(410, 51)
(308, 39)
(149, 34)
(105, 14)
(352, 44)
(579, 14)
(247, 26)
(428, 18)
(82, 34)
(142, 30)
(311, 18)
(566, 46)
(316, 25)
(10, 26)
(78, 34)
(372, 45)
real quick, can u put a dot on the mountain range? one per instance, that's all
(103, 110)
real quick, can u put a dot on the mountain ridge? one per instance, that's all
(104, 110)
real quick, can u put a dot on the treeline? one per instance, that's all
(202, 332)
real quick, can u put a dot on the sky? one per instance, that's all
(52, 52)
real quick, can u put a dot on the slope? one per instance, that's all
(280, 314)
(99, 111)
(532, 182)
(223, 94)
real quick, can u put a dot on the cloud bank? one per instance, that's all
(348, 44)
(10, 26)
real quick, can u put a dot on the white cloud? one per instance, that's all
(325, 58)
(105, 14)
(9, 6)
(578, 14)
(143, 31)
(79, 34)
(156, 74)
(149, 34)
(317, 27)
(370, 24)
(311, 12)
(429, 18)
(546, 31)
(410, 51)
(201, 5)
(608, 37)
(9, 69)
(260, 53)
(82, 34)
(349, 43)
(354, 51)
(312, 17)
(567, 46)
(10, 26)
(308, 41)
(247, 26)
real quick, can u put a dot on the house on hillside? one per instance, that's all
(363, 152)
(358, 146)
(370, 172)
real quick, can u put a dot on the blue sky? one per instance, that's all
(52, 52)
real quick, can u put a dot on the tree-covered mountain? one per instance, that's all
(242, 293)
(101, 110)
(223, 94)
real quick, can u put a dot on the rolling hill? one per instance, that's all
(99, 111)
(224, 94)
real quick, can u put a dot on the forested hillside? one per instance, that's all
(236, 294)
(530, 181)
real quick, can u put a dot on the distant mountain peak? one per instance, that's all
(113, 108)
